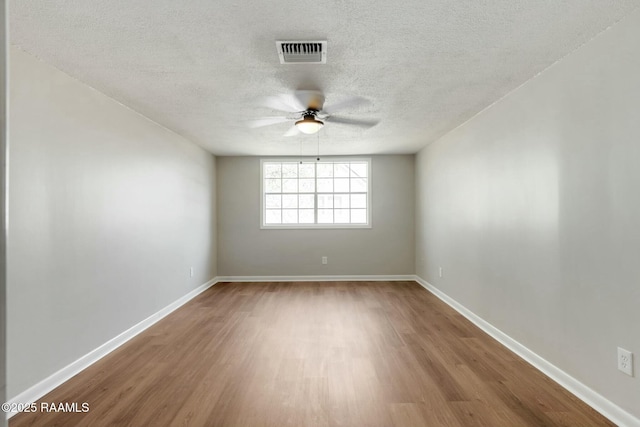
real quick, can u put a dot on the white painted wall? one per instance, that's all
(532, 208)
(246, 250)
(108, 211)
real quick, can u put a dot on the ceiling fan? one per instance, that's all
(308, 113)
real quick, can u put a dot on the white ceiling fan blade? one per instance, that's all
(353, 122)
(283, 102)
(293, 131)
(267, 121)
(350, 103)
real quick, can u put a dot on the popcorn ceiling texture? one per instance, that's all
(199, 67)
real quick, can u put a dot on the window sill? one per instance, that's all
(316, 227)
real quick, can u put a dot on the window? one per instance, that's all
(316, 194)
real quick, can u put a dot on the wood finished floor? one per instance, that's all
(314, 354)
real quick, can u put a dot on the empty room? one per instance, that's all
(320, 214)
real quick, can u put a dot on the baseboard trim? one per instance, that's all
(598, 402)
(35, 392)
(347, 278)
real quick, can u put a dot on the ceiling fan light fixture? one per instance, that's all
(309, 124)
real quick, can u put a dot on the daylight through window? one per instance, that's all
(315, 193)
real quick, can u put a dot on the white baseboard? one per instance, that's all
(348, 278)
(34, 393)
(598, 402)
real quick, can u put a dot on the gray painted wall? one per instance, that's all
(246, 250)
(3, 193)
(532, 208)
(108, 212)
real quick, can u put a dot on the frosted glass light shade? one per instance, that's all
(309, 125)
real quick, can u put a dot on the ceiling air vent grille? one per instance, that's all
(302, 52)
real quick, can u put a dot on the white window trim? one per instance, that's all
(264, 226)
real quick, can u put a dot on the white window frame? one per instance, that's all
(368, 224)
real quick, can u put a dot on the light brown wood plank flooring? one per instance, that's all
(314, 354)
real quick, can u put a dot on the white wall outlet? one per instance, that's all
(625, 361)
(440, 271)
(324, 260)
(191, 272)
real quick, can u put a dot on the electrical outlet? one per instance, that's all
(625, 361)
(191, 272)
(440, 271)
(325, 260)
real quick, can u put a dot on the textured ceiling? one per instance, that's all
(199, 67)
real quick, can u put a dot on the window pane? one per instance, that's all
(290, 201)
(325, 201)
(325, 170)
(306, 216)
(358, 216)
(273, 201)
(307, 170)
(341, 169)
(273, 185)
(325, 185)
(307, 185)
(342, 216)
(273, 216)
(359, 201)
(341, 201)
(359, 185)
(289, 216)
(289, 185)
(341, 185)
(325, 216)
(306, 201)
(312, 192)
(359, 170)
(272, 170)
(289, 170)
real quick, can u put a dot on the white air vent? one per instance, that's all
(302, 52)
